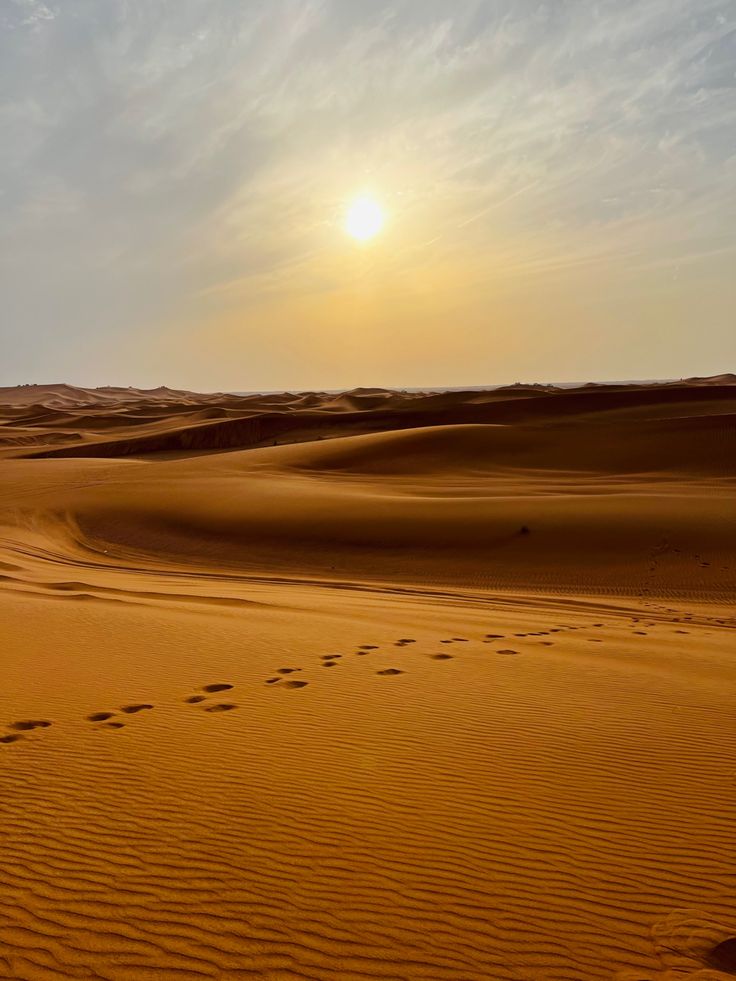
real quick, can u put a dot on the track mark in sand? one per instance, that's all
(287, 670)
(211, 689)
(10, 739)
(368, 647)
(723, 956)
(295, 684)
(390, 671)
(329, 664)
(441, 657)
(221, 707)
(506, 650)
(273, 681)
(134, 709)
(684, 942)
(331, 657)
(100, 716)
(494, 636)
(461, 640)
(26, 725)
(115, 725)
(403, 641)
(194, 699)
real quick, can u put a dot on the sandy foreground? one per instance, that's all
(390, 699)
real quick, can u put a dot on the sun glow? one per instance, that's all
(364, 218)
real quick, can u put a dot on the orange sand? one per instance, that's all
(435, 746)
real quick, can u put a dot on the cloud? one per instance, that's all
(27, 13)
(175, 157)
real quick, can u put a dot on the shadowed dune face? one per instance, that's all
(690, 446)
(441, 686)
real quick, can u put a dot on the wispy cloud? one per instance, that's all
(171, 160)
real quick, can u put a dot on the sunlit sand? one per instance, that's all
(368, 685)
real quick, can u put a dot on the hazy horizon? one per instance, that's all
(558, 183)
(552, 383)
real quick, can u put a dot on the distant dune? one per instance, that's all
(123, 422)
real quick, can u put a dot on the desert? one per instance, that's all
(367, 490)
(368, 685)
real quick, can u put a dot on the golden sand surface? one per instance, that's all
(368, 686)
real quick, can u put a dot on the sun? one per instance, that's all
(364, 218)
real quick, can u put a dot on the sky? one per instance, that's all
(558, 181)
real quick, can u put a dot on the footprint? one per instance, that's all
(27, 724)
(461, 640)
(133, 709)
(441, 657)
(221, 707)
(329, 664)
(331, 657)
(100, 716)
(368, 647)
(115, 725)
(195, 699)
(295, 684)
(687, 940)
(213, 688)
(287, 670)
(390, 671)
(494, 636)
(506, 650)
(10, 739)
(723, 956)
(273, 681)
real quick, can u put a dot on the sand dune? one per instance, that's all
(253, 421)
(439, 687)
